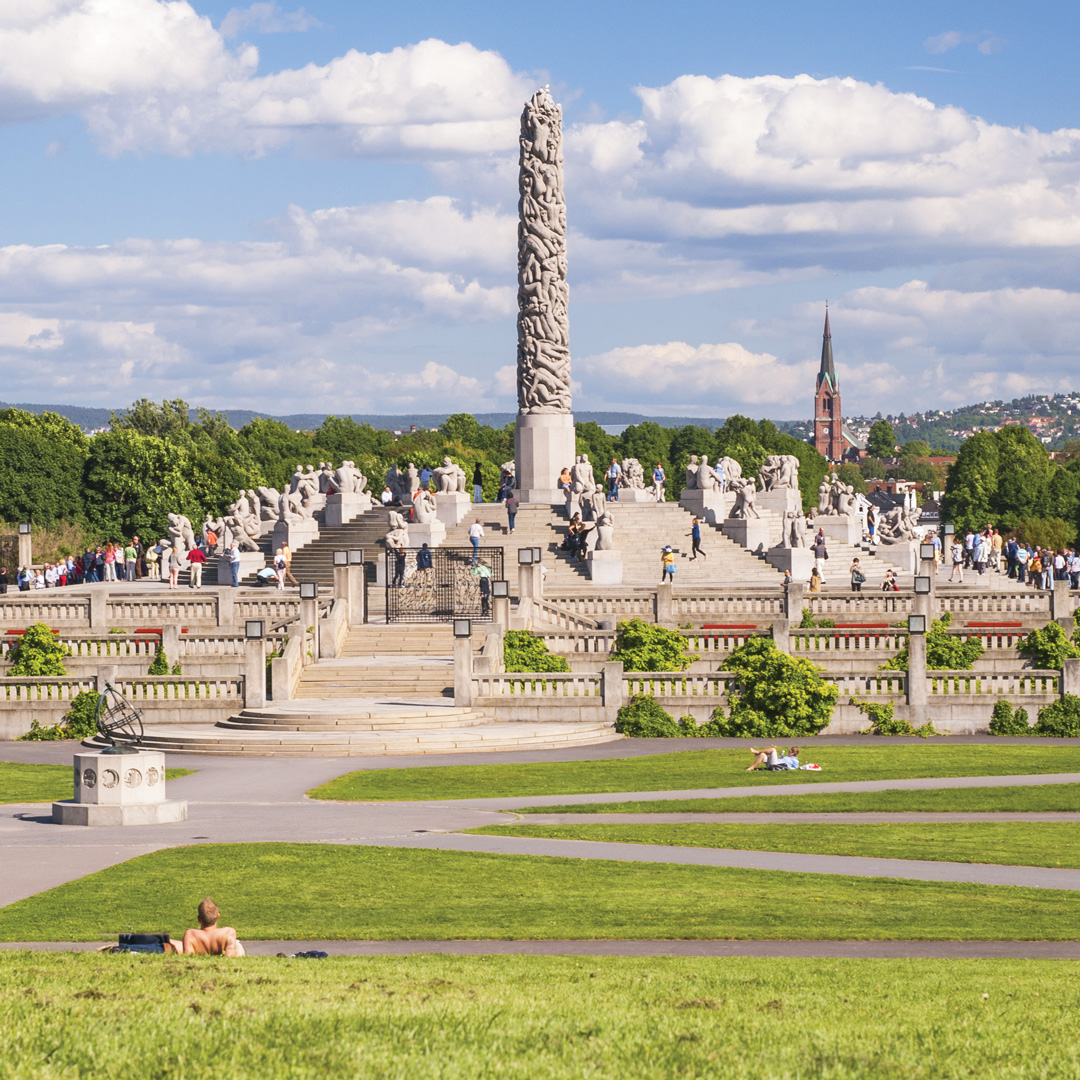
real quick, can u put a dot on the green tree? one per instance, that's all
(881, 441)
(593, 440)
(972, 483)
(1023, 477)
(276, 449)
(1063, 493)
(57, 428)
(640, 646)
(168, 420)
(648, 442)
(37, 652)
(850, 474)
(944, 651)
(916, 448)
(1046, 532)
(43, 475)
(342, 437)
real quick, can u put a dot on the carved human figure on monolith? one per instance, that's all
(449, 477)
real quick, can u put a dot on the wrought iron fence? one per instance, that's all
(441, 584)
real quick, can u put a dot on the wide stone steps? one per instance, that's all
(352, 715)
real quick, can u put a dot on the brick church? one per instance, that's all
(832, 438)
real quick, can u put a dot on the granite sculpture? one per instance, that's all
(745, 489)
(632, 476)
(780, 471)
(449, 477)
(398, 536)
(898, 526)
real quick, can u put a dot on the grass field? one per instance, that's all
(336, 891)
(1010, 844)
(694, 769)
(1037, 798)
(473, 1018)
(23, 783)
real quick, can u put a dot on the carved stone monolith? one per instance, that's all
(544, 440)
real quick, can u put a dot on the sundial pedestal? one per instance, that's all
(119, 788)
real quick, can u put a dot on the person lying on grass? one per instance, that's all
(210, 938)
(771, 759)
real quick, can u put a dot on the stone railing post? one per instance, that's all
(26, 550)
(1061, 610)
(611, 688)
(254, 673)
(226, 608)
(1070, 677)
(665, 609)
(463, 672)
(500, 610)
(170, 642)
(792, 616)
(917, 696)
(926, 603)
(107, 673)
(99, 610)
(309, 616)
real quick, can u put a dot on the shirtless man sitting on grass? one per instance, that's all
(771, 759)
(210, 938)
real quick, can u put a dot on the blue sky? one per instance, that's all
(281, 207)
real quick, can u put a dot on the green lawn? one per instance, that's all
(1042, 798)
(1004, 843)
(535, 1018)
(694, 769)
(328, 891)
(23, 783)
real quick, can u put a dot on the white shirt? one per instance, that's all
(476, 529)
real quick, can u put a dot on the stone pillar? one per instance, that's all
(349, 586)
(530, 581)
(107, 673)
(170, 642)
(309, 616)
(26, 549)
(665, 609)
(500, 610)
(254, 673)
(544, 441)
(99, 610)
(463, 672)
(280, 687)
(926, 604)
(1061, 607)
(917, 696)
(226, 608)
(1070, 678)
(611, 688)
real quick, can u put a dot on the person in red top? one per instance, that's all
(197, 557)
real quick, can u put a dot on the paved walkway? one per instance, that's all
(233, 800)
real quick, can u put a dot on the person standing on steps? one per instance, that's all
(287, 552)
(658, 481)
(613, 474)
(476, 533)
(821, 554)
(857, 577)
(233, 555)
(477, 484)
(197, 557)
(695, 533)
(667, 566)
(512, 505)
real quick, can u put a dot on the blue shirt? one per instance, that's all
(786, 763)
(696, 531)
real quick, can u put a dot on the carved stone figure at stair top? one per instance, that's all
(582, 475)
(508, 468)
(597, 501)
(215, 525)
(241, 524)
(745, 491)
(824, 495)
(786, 530)
(181, 534)
(449, 477)
(633, 475)
(348, 479)
(305, 481)
(798, 530)
(691, 473)
(326, 477)
(780, 471)
(731, 468)
(845, 501)
(412, 482)
(398, 536)
(424, 508)
(897, 526)
(605, 531)
(707, 480)
(268, 503)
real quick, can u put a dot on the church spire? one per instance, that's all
(827, 371)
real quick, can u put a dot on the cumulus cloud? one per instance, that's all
(266, 18)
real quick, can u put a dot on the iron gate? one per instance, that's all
(452, 587)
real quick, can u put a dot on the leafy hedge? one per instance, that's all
(883, 721)
(1059, 720)
(1049, 647)
(643, 718)
(524, 651)
(944, 651)
(79, 722)
(1005, 721)
(39, 652)
(640, 646)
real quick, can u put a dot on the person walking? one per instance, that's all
(659, 479)
(957, 554)
(130, 560)
(695, 534)
(197, 558)
(476, 534)
(512, 505)
(279, 569)
(477, 484)
(821, 553)
(857, 577)
(613, 474)
(110, 562)
(175, 562)
(287, 552)
(667, 566)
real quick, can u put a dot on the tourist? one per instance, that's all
(857, 576)
(287, 552)
(197, 559)
(659, 479)
(476, 534)
(130, 561)
(425, 477)
(485, 596)
(695, 534)
(565, 481)
(153, 562)
(996, 545)
(771, 759)
(956, 552)
(871, 525)
(575, 537)
(786, 583)
(936, 541)
(890, 584)
(5, 579)
(512, 505)
(110, 563)
(1047, 569)
(821, 553)
(1059, 566)
(667, 566)
(969, 549)
(423, 558)
(88, 567)
(23, 578)
(175, 562)
(981, 553)
(1023, 557)
(233, 555)
(477, 484)
(1074, 570)
(211, 939)
(399, 564)
(279, 569)
(815, 581)
(387, 496)
(140, 564)
(613, 474)
(39, 580)
(721, 475)
(99, 563)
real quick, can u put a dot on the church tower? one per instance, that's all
(828, 414)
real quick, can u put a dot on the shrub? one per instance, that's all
(884, 722)
(691, 729)
(1004, 721)
(160, 666)
(807, 621)
(643, 718)
(944, 651)
(79, 722)
(774, 695)
(176, 669)
(1049, 647)
(1062, 719)
(644, 647)
(523, 651)
(38, 652)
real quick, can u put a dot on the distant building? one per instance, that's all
(832, 438)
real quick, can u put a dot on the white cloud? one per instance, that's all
(986, 41)
(266, 18)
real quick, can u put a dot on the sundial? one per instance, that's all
(118, 723)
